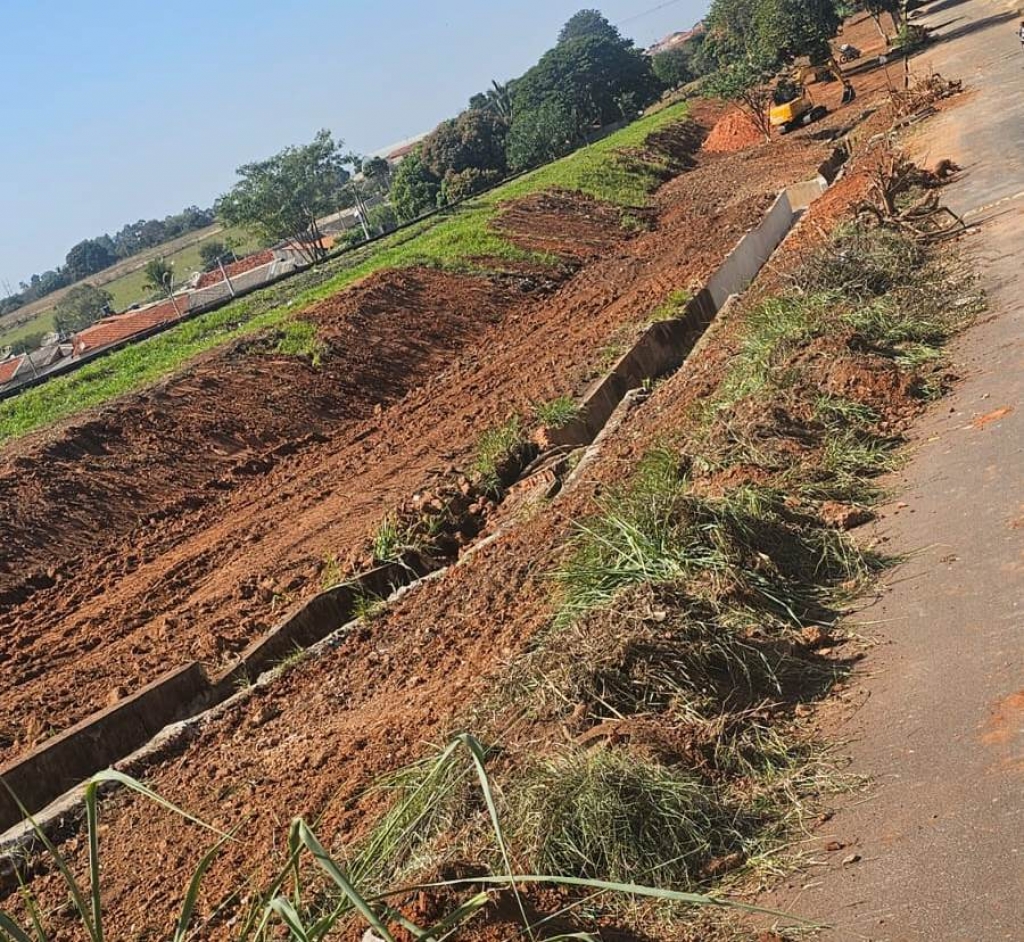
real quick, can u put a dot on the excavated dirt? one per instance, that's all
(313, 742)
(736, 131)
(177, 523)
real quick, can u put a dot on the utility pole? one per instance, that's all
(223, 272)
(170, 293)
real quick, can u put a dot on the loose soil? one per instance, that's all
(736, 131)
(176, 524)
(312, 742)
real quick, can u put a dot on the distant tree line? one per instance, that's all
(93, 255)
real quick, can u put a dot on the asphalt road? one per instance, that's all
(936, 850)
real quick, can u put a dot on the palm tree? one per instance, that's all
(159, 274)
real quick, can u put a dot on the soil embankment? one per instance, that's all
(176, 524)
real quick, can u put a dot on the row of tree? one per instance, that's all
(93, 255)
(593, 76)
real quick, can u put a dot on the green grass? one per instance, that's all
(617, 815)
(671, 307)
(462, 240)
(495, 448)
(130, 288)
(557, 412)
(40, 324)
(300, 339)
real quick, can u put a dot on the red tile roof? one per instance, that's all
(9, 367)
(112, 329)
(236, 268)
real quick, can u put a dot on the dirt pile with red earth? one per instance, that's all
(736, 131)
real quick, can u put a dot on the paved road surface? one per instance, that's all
(941, 841)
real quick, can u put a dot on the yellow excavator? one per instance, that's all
(792, 107)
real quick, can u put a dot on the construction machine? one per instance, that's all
(792, 107)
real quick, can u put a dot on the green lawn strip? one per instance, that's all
(463, 240)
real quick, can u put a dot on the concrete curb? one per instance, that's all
(664, 346)
(69, 758)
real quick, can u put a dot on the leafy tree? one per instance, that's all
(282, 197)
(378, 173)
(382, 218)
(81, 306)
(588, 23)
(542, 133)
(674, 66)
(414, 189)
(747, 84)
(474, 140)
(589, 75)
(497, 100)
(159, 275)
(472, 180)
(88, 257)
(214, 252)
(894, 8)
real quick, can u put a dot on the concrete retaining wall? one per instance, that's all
(664, 346)
(104, 738)
(99, 740)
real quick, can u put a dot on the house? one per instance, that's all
(119, 327)
(675, 40)
(9, 368)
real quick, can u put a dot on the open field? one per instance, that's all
(124, 280)
(640, 653)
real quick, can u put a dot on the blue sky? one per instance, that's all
(115, 110)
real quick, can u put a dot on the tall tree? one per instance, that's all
(543, 133)
(281, 198)
(588, 23)
(414, 188)
(81, 306)
(88, 257)
(588, 74)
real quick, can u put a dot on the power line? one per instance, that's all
(637, 16)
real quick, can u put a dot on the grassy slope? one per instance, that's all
(454, 241)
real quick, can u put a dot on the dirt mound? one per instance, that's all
(736, 131)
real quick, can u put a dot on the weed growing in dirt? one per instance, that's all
(495, 449)
(389, 540)
(300, 339)
(615, 815)
(331, 573)
(367, 606)
(558, 412)
(671, 307)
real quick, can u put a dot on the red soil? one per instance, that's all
(736, 131)
(175, 524)
(310, 471)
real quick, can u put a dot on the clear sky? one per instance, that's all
(116, 110)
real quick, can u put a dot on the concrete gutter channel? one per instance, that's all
(143, 726)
